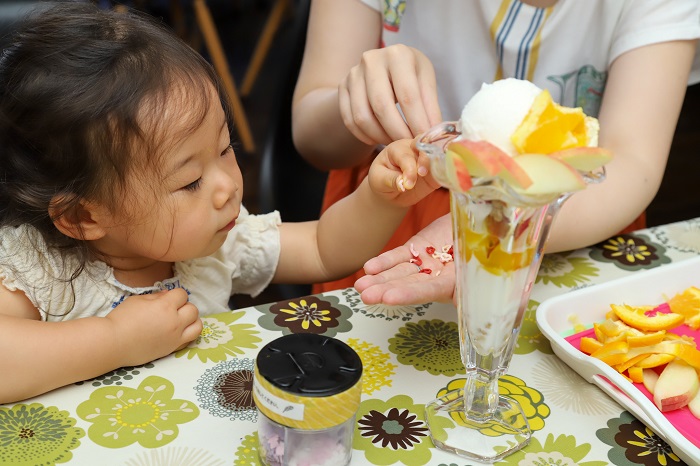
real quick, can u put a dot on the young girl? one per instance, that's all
(120, 201)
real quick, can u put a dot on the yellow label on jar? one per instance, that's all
(305, 412)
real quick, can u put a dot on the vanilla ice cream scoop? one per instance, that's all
(496, 111)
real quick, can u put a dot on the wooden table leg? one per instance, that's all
(216, 51)
(263, 46)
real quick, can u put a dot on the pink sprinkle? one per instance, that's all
(437, 274)
(414, 253)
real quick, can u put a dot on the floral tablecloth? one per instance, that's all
(195, 406)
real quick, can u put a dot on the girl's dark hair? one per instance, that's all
(80, 88)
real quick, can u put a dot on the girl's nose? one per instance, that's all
(226, 188)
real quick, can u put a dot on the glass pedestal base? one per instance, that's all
(488, 440)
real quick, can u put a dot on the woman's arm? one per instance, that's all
(641, 104)
(339, 31)
(348, 90)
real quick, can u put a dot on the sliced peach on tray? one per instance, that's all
(694, 405)
(647, 318)
(649, 379)
(584, 159)
(676, 387)
(549, 176)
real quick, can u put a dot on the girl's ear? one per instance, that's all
(80, 221)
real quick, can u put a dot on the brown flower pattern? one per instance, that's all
(397, 428)
(630, 252)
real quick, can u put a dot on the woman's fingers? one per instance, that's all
(369, 95)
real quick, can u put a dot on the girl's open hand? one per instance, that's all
(148, 327)
(401, 174)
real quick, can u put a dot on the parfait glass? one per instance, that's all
(499, 237)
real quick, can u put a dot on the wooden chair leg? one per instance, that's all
(216, 51)
(264, 42)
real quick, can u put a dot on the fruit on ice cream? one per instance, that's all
(507, 128)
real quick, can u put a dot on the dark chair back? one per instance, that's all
(287, 182)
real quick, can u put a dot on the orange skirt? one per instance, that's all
(341, 183)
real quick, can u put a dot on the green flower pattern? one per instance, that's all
(247, 452)
(563, 270)
(221, 338)
(530, 338)
(37, 435)
(559, 451)
(429, 345)
(149, 414)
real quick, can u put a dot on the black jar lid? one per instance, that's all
(307, 364)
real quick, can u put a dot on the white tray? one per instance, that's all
(589, 305)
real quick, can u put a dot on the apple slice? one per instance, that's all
(512, 173)
(677, 385)
(694, 405)
(483, 159)
(457, 172)
(548, 175)
(584, 159)
(480, 157)
(649, 379)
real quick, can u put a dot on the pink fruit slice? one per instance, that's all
(676, 386)
(548, 175)
(480, 157)
(457, 172)
(483, 159)
(584, 159)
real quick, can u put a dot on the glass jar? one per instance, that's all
(307, 388)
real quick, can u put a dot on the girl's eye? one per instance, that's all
(194, 186)
(228, 150)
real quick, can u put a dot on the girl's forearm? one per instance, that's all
(56, 354)
(355, 229)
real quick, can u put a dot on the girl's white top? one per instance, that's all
(245, 264)
(567, 49)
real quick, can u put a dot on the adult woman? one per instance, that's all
(626, 62)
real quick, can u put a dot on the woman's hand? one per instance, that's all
(384, 77)
(392, 279)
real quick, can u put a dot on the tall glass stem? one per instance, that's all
(498, 251)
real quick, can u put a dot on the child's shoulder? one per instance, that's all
(24, 245)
